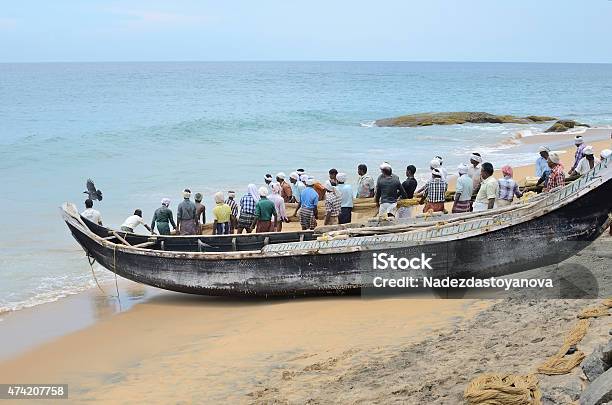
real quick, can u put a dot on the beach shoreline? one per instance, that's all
(89, 342)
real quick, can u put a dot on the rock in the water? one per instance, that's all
(593, 365)
(564, 125)
(451, 118)
(599, 391)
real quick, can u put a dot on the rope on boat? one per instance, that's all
(115, 272)
(91, 262)
(510, 389)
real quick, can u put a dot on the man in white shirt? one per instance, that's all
(133, 221)
(91, 214)
(587, 162)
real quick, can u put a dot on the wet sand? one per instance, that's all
(179, 348)
(202, 349)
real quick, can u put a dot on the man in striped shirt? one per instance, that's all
(434, 192)
(557, 176)
(508, 188)
(231, 195)
(580, 145)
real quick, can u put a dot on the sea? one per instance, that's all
(144, 131)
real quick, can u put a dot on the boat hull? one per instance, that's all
(540, 241)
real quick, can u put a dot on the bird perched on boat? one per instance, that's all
(93, 193)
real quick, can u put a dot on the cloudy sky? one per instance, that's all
(425, 30)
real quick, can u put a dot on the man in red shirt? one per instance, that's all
(557, 176)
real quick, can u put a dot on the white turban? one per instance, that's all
(553, 157)
(436, 172)
(263, 191)
(385, 165)
(588, 150)
(186, 194)
(219, 197)
(300, 171)
(329, 186)
(578, 140)
(440, 159)
(462, 168)
(281, 175)
(304, 178)
(165, 201)
(435, 163)
(231, 194)
(310, 181)
(268, 177)
(606, 153)
(476, 158)
(294, 176)
(341, 177)
(544, 149)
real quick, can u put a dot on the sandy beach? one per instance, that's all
(175, 348)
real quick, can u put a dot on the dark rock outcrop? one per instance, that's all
(564, 125)
(599, 391)
(451, 118)
(593, 365)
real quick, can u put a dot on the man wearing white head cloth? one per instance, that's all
(231, 201)
(346, 192)
(587, 163)
(541, 165)
(297, 186)
(474, 170)
(580, 146)
(434, 192)
(440, 166)
(332, 204)
(388, 190)
(605, 154)
(268, 179)
(464, 191)
(222, 214)
(286, 192)
(307, 207)
(186, 215)
(557, 176)
(162, 218)
(264, 212)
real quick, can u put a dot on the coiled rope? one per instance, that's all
(503, 389)
(510, 389)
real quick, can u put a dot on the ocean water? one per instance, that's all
(144, 131)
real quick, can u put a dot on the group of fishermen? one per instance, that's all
(263, 209)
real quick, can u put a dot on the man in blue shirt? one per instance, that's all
(346, 205)
(307, 206)
(542, 169)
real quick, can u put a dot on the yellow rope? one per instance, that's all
(561, 362)
(509, 389)
(594, 312)
(503, 389)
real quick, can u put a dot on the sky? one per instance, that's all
(203, 30)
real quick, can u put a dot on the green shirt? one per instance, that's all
(162, 214)
(264, 209)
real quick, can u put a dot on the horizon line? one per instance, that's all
(303, 61)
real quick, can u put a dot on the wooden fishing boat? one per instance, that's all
(542, 231)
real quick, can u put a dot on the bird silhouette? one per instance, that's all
(92, 192)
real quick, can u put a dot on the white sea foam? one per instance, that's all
(368, 124)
